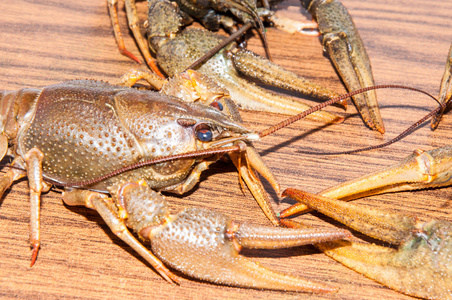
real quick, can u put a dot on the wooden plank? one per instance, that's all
(45, 42)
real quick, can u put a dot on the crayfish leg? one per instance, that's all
(12, 175)
(109, 213)
(133, 19)
(118, 35)
(192, 179)
(133, 76)
(7, 180)
(254, 185)
(33, 159)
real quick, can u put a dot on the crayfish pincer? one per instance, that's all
(421, 266)
(83, 136)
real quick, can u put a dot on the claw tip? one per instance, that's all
(287, 192)
(34, 255)
(338, 120)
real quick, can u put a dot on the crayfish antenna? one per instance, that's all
(445, 91)
(316, 108)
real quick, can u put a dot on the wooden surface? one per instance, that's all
(45, 42)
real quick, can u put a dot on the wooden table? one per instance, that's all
(45, 42)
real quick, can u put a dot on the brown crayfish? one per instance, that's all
(84, 135)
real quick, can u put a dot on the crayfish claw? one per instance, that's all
(255, 66)
(414, 269)
(347, 52)
(264, 237)
(421, 169)
(420, 266)
(205, 245)
(388, 227)
(221, 68)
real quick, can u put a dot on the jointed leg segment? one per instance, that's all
(33, 160)
(133, 24)
(109, 213)
(118, 35)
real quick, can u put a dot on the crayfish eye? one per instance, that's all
(217, 105)
(203, 133)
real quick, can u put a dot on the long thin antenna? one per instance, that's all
(392, 141)
(302, 115)
(192, 154)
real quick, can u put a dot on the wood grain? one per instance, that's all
(45, 42)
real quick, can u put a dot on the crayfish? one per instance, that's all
(115, 148)
(177, 49)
